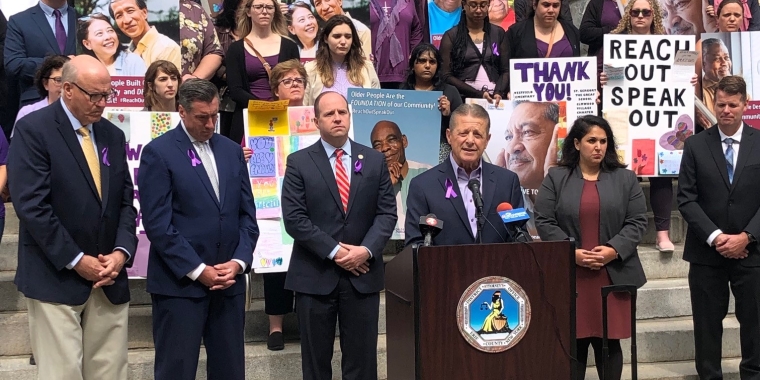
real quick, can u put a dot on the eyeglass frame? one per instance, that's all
(57, 80)
(475, 6)
(302, 79)
(262, 7)
(103, 96)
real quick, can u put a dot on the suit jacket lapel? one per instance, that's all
(41, 20)
(745, 148)
(488, 188)
(319, 156)
(71, 140)
(185, 146)
(101, 140)
(716, 148)
(219, 156)
(356, 178)
(447, 172)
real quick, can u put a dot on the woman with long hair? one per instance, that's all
(340, 62)
(98, 38)
(225, 25)
(474, 54)
(592, 198)
(424, 75)
(261, 28)
(161, 87)
(303, 28)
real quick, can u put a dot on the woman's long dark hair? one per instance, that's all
(83, 31)
(726, 2)
(571, 157)
(226, 19)
(534, 3)
(354, 58)
(418, 51)
(459, 45)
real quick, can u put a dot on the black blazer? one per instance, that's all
(29, 39)
(427, 194)
(623, 218)
(237, 79)
(592, 31)
(496, 66)
(521, 39)
(709, 202)
(313, 215)
(58, 206)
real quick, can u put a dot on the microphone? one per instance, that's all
(474, 186)
(430, 226)
(512, 219)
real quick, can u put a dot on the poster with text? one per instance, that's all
(271, 142)
(522, 136)
(399, 124)
(650, 106)
(569, 80)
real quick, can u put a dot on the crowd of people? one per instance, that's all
(73, 191)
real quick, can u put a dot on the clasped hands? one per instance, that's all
(101, 270)
(352, 258)
(596, 258)
(220, 276)
(732, 246)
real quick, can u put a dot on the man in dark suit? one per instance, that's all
(200, 217)
(46, 28)
(443, 189)
(723, 212)
(73, 195)
(339, 207)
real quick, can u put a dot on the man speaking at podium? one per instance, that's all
(452, 190)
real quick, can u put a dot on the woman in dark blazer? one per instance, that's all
(592, 198)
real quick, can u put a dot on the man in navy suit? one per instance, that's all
(443, 189)
(73, 195)
(200, 217)
(46, 28)
(339, 207)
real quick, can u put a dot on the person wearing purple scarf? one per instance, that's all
(396, 30)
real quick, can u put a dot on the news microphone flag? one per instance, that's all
(514, 215)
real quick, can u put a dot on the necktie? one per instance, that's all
(342, 178)
(88, 148)
(60, 31)
(730, 158)
(207, 164)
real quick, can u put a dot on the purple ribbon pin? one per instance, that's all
(193, 159)
(450, 189)
(104, 153)
(358, 166)
(495, 49)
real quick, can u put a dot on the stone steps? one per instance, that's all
(672, 371)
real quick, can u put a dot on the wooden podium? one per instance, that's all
(423, 290)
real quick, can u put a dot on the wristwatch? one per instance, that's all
(751, 238)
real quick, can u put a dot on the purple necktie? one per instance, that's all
(60, 31)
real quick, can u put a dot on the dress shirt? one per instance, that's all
(155, 46)
(462, 180)
(346, 161)
(206, 145)
(50, 17)
(76, 124)
(737, 138)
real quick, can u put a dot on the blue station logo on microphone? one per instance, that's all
(515, 215)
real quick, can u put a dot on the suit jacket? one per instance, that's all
(28, 41)
(316, 220)
(622, 218)
(59, 210)
(709, 202)
(427, 194)
(186, 225)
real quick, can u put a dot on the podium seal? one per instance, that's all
(493, 314)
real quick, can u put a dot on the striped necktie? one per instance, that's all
(342, 178)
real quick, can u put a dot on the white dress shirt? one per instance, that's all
(737, 139)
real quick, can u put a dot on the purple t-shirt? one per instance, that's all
(561, 48)
(258, 80)
(3, 162)
(610, 14)
(393, 41)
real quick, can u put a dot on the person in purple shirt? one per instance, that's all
(600, 18)
(3, 178)
(396, 30)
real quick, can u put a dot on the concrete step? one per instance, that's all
(677, 229)
(11, 220)
(659, 265)
(666, 298)
(9, 252)
(14, 328)
(672, 371)
(261, 364)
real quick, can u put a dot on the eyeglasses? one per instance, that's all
(640, 12)
(57, 80)
(260, 8)
(475, 6)
(425, 61)
(290, 82)
(96, 98)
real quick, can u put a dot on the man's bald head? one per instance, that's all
(83, 68)
(382, 125)
(386, 138)
(84, 79)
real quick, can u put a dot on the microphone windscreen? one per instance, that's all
(503, 206)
